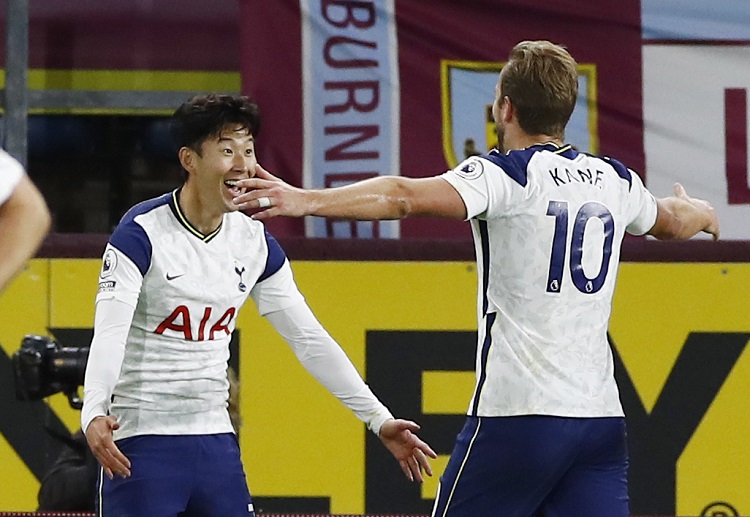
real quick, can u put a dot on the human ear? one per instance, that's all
(187, 158)
(506, 109)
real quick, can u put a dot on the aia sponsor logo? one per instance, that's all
(208, 327)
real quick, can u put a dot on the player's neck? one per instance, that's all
(199, 213)
(516, 139)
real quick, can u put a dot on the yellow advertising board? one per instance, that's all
(679, 333)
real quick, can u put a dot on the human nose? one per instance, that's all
(239, 163)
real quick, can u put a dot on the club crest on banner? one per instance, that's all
(468, 91)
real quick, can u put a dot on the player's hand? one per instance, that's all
(712, 225)
(411, 452)
(99, 438)
(271, 196)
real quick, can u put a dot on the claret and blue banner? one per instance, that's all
(352, 89)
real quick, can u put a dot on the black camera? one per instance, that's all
(43, 367)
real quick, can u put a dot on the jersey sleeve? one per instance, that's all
(486, 185)
(328, 363)
(275, 258)
(277, 291)
(126, 260)
(469, 179)
(111, 326)
(119, 278)
(642, 208)
(11, 173)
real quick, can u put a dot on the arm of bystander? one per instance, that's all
(24, 222)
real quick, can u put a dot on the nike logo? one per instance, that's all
(172, 277)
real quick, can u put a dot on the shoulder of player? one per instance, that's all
(145, 207)
(622, 171)
(134, 226)
(513, 164)
(131, 236)
(577, 160)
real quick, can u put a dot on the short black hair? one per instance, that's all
(204, 116)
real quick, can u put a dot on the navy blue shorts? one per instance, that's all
(186, 475)
(536, 466)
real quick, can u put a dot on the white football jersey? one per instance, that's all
(548, 222)
(187, 289)
(11, 173)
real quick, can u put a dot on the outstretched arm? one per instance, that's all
(680, 217)
(381, 198)
(327, 362)
(24, 221)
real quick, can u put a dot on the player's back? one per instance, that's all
(548, 246)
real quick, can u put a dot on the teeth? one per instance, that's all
(230, 183)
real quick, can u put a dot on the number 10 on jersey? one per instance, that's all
(592, 209)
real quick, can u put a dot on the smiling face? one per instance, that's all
(223, 159)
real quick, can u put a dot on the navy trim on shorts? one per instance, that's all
(438, 499)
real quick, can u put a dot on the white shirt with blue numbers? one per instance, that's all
(548, 222)
(167, 305)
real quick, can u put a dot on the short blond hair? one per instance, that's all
(541, 81)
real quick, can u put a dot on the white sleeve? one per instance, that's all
(483, 185)
(119, 278)
(111, 327)
(642, 207)
(11, 173)
(277, 292)
(328, 363)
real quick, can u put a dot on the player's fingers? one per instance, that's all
(415, 469)
(679, 190)
(424, 448)
(406, 470)
(107, 463)
(249, 200)
(265, 214)
(253, 185)
(117, 462)
(713, 229)
(260, 172)
(409, 425)
(423, 461)
(117, 454)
